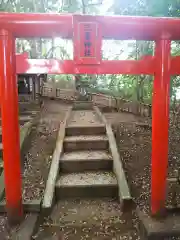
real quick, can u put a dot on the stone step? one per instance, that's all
(84, 118)
(86, 142)
(87, 184)
(75, 130)
(79, 161)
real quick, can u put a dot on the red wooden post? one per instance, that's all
(160, 124)
(10, 126)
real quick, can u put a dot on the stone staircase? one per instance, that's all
(86, 191)
(86, 168)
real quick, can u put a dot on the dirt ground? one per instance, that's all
(90, 219)
(134, 145)
(39, 156)
(134, 142)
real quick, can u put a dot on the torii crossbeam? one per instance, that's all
(87, 33)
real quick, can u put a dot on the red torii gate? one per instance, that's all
(87, 33)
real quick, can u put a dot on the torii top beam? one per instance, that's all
(113, 27)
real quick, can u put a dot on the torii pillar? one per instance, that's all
(10, 126)
(160, 125)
